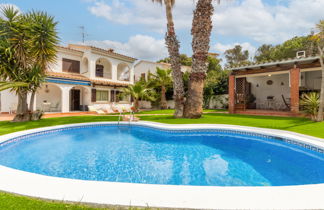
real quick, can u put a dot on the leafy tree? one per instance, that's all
(286, 50)
(139, 91)
(162, 81)
(184, 60)
(173, 48)
(263, 53)
(213, 64)
(236, 56)
(27, 47)
(216, 84)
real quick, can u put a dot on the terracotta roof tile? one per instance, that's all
(67, 75)
(84, 78)
(110, 83)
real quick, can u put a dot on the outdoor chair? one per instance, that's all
(94, 109)
(55, 108)
(287, 104)
(13, 108)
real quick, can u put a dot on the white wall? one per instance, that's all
(312, 80)
(53, 96)
(216, 103)
(264, 90)
(57, 66)
(148, 66)
(8, 99)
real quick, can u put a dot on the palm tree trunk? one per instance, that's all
(22, 114)
(164, 104)
(201, 30)
(32, 100)
(136, 104)
(321, 105)
(173, 49)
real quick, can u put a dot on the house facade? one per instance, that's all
(274, 87)
(81, 76)
(142, 68)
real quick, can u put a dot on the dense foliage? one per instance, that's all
(27, 46)
(236, 56)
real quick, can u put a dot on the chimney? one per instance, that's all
(301, 54)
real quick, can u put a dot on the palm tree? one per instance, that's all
(27, 47)
(138, 91)
(201, 30)
(173, 48)
(162, 79)
(11, 85)
(43, 40)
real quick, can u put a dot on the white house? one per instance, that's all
(143, 68)
(82, 76)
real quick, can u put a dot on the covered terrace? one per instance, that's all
(273, 88)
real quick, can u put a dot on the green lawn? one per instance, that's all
(299, 125)
(171, 111)
(16, 202)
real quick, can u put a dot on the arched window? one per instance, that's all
(103, 68)
(123, 72)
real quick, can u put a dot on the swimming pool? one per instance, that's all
(150, 155)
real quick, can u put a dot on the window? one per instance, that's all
(99, 71)
(102, 95)
(72, 66)
(143, 76)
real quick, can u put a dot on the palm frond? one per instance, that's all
(12, 85)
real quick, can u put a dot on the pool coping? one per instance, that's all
(170, 196)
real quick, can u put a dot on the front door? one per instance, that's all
(75, 100)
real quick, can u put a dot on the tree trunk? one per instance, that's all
(321, 105)
(32, 100)
(22, 114)
(136, 104)
(173, 49)
(164, 104)
(201, 30)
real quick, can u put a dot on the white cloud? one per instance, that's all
(142, 12)
(268, 24)
(252, 19)
(138, 46)
(245, 46)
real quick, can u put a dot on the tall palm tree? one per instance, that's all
(173, 49)
(201, 30)
(162, 79)
(138, 91)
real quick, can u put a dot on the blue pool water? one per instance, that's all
(145, 155)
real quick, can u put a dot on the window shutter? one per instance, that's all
(117, 96)
(112, 96)
(93, 95)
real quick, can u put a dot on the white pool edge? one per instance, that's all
(201, 197)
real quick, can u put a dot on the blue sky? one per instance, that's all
(137, 27)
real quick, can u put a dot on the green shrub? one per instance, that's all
(310, 103)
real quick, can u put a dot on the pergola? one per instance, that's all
(239, 88)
